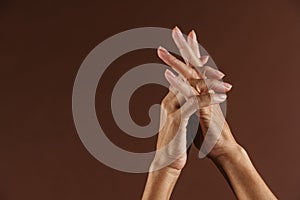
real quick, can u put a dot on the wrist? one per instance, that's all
(160, 183)
(169, 169)
(233, 154)
(169, 161)
(165, 175)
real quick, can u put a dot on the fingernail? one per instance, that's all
(171, 78)
(204, 59)
(193, 34)
(169, 73)
(220, 73)
(163, 50)
(227, 86)
(177, 31)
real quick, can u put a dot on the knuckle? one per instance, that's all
(199, 84)
(204, 100)
(207, 97)
(196, 72)
(203, 85)
(192, 82)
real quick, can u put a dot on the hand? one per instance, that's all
(174, 119)
(203, 79)
(231, 159)
(171, 154)
(200, 94)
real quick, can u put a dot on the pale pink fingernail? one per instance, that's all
(219, 73)
(171, 78)
(177, 31)
(170, 74)
(228, 86)
(204, 59)
(163, 50)
(193, 34)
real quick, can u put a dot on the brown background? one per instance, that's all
(42, 44)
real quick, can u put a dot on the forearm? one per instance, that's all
(160, 184)
(245, 181)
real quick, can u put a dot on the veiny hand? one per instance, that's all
(174, 119)
(200, 87)
(203, 79)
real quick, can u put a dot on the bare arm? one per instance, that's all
(242, 175)
(171, 145)
(160, 184)
(226, 153)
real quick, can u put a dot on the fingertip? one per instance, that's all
(169, 73)
(190, 35)
(176, 33)
(160, 48)
(218, 98)
(223, 97)
(204, 59)
(176, 29)
(193, 35)
(227, 86)
(219, 74)
(170, 77)
(161, 51)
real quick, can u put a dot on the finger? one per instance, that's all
(173, 90)
(210, 99)
(200, 85)
(218, 86)
(203, 86)
(204, 59)
(193, 43)
(182, 81)
(190, 51)
(185, 50)
(181, 86)
(211, 73)
(197, 102)
(179, 96)
(176, 64)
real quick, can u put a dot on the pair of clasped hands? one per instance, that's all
(198, 88)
